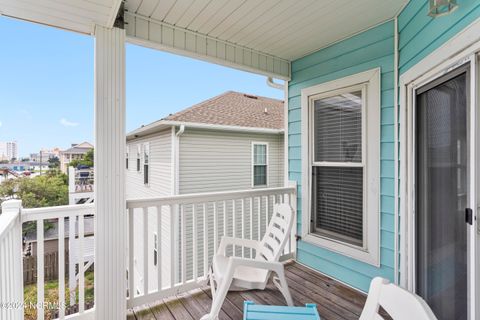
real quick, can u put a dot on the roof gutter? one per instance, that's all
(164, 124)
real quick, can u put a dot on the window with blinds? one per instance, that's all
(259, 162)
(337, 168)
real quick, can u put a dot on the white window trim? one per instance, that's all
(146, 149)
(370, 252)
(254, 143)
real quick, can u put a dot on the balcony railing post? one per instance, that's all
(11, 264)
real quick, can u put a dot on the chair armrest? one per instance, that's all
(254, 244)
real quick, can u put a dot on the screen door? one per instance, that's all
(442, 194)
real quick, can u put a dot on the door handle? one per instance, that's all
(469, 216)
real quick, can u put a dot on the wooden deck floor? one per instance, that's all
(334, 300)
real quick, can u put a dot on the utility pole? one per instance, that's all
(40, 162)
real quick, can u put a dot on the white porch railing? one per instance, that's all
(11, 264)
(188, 229)
(11, 277)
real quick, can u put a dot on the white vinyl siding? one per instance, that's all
(160, 179)
(220, 160)
(159, 165)
(208, 161)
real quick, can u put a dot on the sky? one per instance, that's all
(46, 85)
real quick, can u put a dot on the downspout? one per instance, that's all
(283, 87)
(286, 182)
(395, 153)
(177, 158)
(273, 84)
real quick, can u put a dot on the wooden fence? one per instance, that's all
(51, 267)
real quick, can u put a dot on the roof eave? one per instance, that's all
(163, 124)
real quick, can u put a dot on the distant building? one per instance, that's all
(45, 154)
(76, 152)
(8, 150)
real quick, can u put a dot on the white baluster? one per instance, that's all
(243, 225)
(251, 225)
(215, 228)
(205, 240)
(184, 248)
(61, 268)
(194, 243)
(172, 245)
(159, 248)
(145, 251)
(131, 256)
(81, 265)
(40, 271)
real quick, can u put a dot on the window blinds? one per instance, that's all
(338, 188)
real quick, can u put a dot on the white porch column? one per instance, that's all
(110, 206)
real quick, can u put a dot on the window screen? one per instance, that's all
(338, 128)
(337, 170)
(259, 164)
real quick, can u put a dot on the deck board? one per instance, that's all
(335, 301)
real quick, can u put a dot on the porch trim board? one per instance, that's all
(110, 203)
(148, 32)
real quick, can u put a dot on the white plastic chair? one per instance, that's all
(234, 273)
(399, 303)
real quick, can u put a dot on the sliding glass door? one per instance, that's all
(442, 184)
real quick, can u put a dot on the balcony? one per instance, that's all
(171, 241)
(334, 300)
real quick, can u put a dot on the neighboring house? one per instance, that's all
(45, 154)
(75, 152)
(51, 237)
(233, 141)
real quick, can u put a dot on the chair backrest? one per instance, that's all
(399, 303)
(277, 233)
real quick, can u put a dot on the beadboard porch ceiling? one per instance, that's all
(261, 36)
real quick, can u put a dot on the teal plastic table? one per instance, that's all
(251, 311)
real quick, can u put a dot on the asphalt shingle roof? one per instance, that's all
(235, 109)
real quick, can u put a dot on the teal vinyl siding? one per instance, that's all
(420, 34)
(370, 49)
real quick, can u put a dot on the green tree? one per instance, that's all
(41, 191)
(87, 160)
(54, 163)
